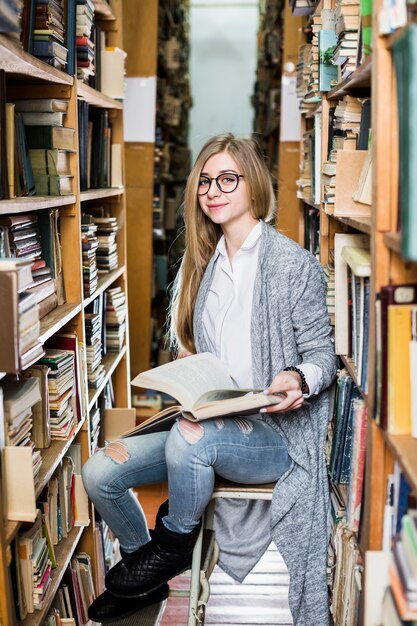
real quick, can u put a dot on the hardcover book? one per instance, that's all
(204, 389)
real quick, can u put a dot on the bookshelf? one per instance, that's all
(374, 78)
(27, 76)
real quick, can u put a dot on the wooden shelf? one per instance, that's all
(393, 241)
(51, 457)
(14, 60)
(56, 319)
(352, 371)
(63, 552)
(96, 98)
(110, 362)
(34, 203)
(103, 10)
(360, 79)
(404, 449)
(104, 282)
(96, 194)
(360, 223)
(351, 368)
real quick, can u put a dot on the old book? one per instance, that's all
(17, 471)
(405, 59)
(342, 240)
(53, 185)
(116, 165)
(43, 118)
(10, 137)
(41, 429)
(204, 389)
(45, 104)
(48, 137)
(50, 162)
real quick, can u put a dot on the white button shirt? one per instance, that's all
(228, 311)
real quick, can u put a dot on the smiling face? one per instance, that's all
(225, 209)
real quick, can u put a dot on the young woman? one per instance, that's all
(256, 300)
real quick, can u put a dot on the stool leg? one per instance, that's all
(195, 580)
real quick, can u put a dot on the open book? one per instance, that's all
(203, 388)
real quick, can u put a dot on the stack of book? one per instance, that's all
(347, 29)
(21, 236)
(346, 124)
(330, 290)
(46, 117)
(20, 396)
(61, 386)
(107, 257)
(89, 244)
(35, 567)
(49, 33)
(346, 587)
(313, 61)
(94, 331)
(21, 312)
(74, 594)
(85, 47)
(115, 319)
(304, 183)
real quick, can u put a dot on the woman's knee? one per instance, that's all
(187, 440)
(93, 474)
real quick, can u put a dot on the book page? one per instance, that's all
(224, 394)
(187, 379)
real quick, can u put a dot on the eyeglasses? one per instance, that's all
(226, 182)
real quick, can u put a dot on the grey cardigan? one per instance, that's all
(290, 324)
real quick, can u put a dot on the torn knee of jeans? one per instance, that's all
(191, 431)
(117, 450)
(219, 423)
(244, 425)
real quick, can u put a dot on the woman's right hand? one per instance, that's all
(183, 353)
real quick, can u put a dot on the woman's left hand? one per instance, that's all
(289, 383)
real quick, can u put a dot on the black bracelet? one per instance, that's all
(304, 387)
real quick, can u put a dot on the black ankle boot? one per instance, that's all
(107, 608)
(165, 556)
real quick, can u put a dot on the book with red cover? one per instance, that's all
(389, 294)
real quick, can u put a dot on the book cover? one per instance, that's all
(327, 71)
(405, 60)
(399, 379)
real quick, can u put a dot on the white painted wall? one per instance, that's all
(222, 68)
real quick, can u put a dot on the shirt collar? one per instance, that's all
(250, 241)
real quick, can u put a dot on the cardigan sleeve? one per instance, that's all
(310, 319)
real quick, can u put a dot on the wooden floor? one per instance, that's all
(260, 600)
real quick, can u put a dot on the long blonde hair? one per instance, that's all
(202, 235)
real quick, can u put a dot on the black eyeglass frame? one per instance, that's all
(216, 178)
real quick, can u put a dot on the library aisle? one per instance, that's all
(91, 233)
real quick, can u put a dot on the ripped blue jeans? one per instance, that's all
(241, 449)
